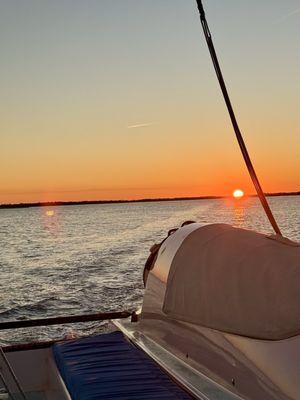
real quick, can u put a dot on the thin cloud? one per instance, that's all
(58, 191)
(145, 125)
(290, 14)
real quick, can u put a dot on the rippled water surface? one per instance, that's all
(79, 259)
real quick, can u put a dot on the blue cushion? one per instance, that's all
(107, 366)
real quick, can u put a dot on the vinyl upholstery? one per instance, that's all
(108, 366)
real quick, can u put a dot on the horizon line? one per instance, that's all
(142, 200)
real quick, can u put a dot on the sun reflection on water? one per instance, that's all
(239, 214)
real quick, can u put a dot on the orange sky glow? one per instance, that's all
(96, 106)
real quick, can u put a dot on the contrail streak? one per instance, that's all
(140, 125)
(290, 14)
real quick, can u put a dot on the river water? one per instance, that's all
(81, 259)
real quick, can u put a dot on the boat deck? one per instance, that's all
(108, 366)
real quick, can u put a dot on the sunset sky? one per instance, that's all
(117, 99)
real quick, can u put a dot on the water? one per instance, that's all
(80, 259)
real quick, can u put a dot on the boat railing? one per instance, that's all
(10, 387)
(69, 319)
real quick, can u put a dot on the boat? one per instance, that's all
(219, 320)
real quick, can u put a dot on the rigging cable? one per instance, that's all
(236, 128)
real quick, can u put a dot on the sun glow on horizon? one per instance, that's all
(238, 194)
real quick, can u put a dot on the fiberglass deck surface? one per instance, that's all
(108, 367)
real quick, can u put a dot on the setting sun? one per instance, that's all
(238, 193)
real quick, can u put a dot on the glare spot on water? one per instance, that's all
(49, 213)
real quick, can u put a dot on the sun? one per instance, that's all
(238, 194)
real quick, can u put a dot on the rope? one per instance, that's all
(236, 128)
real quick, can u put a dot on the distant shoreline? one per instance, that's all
(76, 203)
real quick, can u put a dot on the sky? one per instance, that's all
(118, 99)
